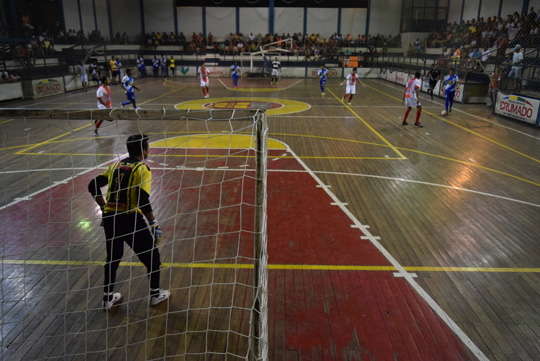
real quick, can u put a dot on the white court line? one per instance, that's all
(57, 183)
(49, 101)
(464, 112)
(407, 276)
(226, 87)
(183, 168)
(290, 86)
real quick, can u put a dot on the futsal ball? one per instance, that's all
(443, 113)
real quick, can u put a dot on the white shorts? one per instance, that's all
(275, 72)
(412, 102)
(205, 83)
(84, 78)
(351, 89)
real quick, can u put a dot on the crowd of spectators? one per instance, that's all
(312, 46)
(476, 42)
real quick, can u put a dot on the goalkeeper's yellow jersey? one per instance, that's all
(128, 186)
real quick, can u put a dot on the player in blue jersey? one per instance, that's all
(163, 65)
(155, 66)
(141, 66)
(451, 84)
(127, 84)
(323, 72)
(235, 71)
(119, 68)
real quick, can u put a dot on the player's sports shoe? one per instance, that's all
(449, 110)
(349, 103)
(418, 124)
(343, 99)
(277, 82)
(206, 96)
(271, 83)
(117, 296)
(404, 123)
(95, 132)
(323, 93)
(161, 296)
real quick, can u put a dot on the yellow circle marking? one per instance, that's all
(289, 106)
(214, 141)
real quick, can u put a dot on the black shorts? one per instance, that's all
(432, 84)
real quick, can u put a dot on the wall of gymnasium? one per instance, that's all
(488, 8)
(125, 16)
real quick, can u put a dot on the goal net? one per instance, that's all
(209, 196)
(258, 63)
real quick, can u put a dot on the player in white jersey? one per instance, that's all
(82, 69)
(351, 80)
(276, 67)
(127, 84)
(103, 95)
(410, 97)
(203, 75)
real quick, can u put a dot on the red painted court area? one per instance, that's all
(314, 313)
(339, 315)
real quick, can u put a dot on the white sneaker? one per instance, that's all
(160, 297)
(117, 296)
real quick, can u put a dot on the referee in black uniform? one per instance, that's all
(128, 199)
(433, 75)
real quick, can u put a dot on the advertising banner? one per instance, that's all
(46, 87)
(181, 71)
(402, 78)
(518, 107)
(332, 73)
(425, 85)
(11, 91)
(391, 76)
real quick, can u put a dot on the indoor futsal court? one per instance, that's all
(385, 242)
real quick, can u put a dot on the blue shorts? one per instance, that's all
(450, 94)
(515, 72)
(235, 77)
(322, 82)
(130, 96)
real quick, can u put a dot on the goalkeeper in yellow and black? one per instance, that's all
(128, 199)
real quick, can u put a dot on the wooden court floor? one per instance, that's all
(451, 266)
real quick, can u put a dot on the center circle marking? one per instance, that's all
(243, 104)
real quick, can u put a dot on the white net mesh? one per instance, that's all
(207, 168)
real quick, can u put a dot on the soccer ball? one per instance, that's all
(443, 113)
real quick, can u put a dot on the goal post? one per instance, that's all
(209, 179)
(276, 48)
(260, 300)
